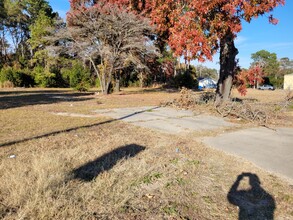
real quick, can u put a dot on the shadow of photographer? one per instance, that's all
(254, 202)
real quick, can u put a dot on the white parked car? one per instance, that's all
(266, 87)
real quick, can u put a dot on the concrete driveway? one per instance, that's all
(166, 120)
(267, 148)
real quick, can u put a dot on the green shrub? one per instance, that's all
(79, 77)
(65, 72)
(43, 77)
(60, 80)
(6, 74)
(18, 77)
(185, 80)
(97, 83)
(277, 82)
(134, 83)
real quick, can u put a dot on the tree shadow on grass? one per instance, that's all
(149, 90)
(32, 91)
(21, 99)
(254, 203)
(73, 129)
(92, 169)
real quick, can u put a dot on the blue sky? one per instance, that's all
(60, 6)
(257, 35)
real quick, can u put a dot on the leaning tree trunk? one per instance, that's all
(108, 78)
(117, 81)
(228, 65)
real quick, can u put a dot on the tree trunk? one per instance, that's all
(117, 82)
(98, 74)
(108, 88)
(141, 79)
(228, 65)
(160, 43)
(108, 81)
(117, 85)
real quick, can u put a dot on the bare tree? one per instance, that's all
(109, 37)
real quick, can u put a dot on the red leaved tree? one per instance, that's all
(198, 29)
(252, 77)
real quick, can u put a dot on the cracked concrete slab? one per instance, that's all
(150, 112)
(162, 126)
(166, 119)
(201, 122)
(267, 148)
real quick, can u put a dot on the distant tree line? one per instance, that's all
(120, 42)
(266, 68)
(274, 69)
(38, 49)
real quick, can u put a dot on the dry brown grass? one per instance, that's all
(266, 108)
(276, 104)
(263, 96)
(6, 84)
(84, 172)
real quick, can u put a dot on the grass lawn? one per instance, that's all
(61, 167)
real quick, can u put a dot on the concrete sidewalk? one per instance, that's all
(267, 148)
(166, 120)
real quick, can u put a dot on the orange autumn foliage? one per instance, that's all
(193, 28)
(252, 77)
